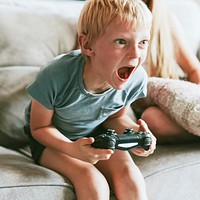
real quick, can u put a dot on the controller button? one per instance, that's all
(110, 132)
(128, 131)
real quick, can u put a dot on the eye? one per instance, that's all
(120, 42)
(144, 43)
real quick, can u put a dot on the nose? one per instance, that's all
(133, 52)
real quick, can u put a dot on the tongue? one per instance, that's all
(124, 72)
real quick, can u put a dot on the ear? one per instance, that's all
(84, 45)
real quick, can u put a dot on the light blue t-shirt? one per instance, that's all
(59, 87)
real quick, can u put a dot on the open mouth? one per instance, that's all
(125, 72)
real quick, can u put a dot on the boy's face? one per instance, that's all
(118, 53)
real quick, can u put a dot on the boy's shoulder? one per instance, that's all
(65, 63)
(71, 54)
(63, 69)
(71, 58)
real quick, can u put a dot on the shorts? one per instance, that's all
(37, 148)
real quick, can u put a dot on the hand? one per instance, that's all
(140, 151)
(83, 151)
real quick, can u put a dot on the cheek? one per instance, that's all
(108, 56)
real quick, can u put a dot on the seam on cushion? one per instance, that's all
(169, 169)
(39, 185)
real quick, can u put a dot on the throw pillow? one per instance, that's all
(179, 99)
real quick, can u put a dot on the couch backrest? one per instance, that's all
(33, 32)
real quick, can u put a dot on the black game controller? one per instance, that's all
(128, 140)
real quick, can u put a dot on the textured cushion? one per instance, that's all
(179, 99)
(22, 179)
(172, 172)
(34, 32)
(13, 100)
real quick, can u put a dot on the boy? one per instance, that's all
(79, 91)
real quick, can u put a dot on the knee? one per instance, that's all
(165, 129)
(150, 113)
(154, 117)
(130, 182)
(97, 185)
(92, 174)
(125, 176)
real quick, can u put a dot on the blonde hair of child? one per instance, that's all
(97, 14)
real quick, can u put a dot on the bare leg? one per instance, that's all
(124, 176)
(89, 183)
(164, 128)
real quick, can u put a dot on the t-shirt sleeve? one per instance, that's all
(43, 89)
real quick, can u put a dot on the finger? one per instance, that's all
(142, 152)
(143, 126)
(104, 157)
(153, 142)
(138, 151)
(86, 141)
(104, 151)
(102, 154)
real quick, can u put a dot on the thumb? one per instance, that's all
(143, 126)
(86, 141)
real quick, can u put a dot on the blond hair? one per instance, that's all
(97, 14)
(161, 59)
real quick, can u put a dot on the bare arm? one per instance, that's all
(44, 132)
(120, 121)
(185, 57)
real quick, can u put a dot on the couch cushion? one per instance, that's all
(172, 172)
(33, 32)
(22, 179)
(13, 100)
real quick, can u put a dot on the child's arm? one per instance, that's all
(121, 120)
(185, 57)
(45, 133)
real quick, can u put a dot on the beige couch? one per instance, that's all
(31, 34)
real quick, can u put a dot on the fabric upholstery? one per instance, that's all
(13, 100)
(34, 32)
(24, 180)
(172, 172)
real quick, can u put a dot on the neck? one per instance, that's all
(93, 83)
